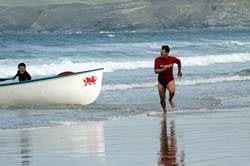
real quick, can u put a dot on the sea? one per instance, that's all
(216, 72)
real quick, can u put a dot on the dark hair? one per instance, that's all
(166, 48)
(21, 64)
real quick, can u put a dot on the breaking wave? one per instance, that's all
(111, 66)
(178, 82)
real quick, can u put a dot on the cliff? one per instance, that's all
(123, 15)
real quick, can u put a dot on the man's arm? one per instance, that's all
(178, 62)
(28, 76)
(157, 71)
(17, 74)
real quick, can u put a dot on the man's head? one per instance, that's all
(165, 50)
(22, 68)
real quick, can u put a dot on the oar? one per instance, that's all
(5, 79)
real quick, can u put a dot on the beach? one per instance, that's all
(196, 138)
(209, 125)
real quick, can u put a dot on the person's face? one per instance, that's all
(164, 53)
(22, 69)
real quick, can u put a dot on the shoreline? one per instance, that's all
(190, 139)
(146, 114)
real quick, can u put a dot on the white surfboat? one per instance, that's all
(80, 88)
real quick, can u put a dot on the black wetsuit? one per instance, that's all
(23, 77)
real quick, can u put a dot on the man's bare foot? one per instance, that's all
(164, 111)
(171, 103)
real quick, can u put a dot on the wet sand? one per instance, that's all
(203, 138)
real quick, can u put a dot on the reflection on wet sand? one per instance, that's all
(168, 150)
(25, 148)
(93, 139)
(69, 141)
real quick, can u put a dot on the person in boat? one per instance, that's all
(164, 68)
(22, 74)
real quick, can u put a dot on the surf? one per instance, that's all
(191, 82)
(41, 69)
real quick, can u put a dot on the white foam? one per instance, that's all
(105, 32)
(192, 111)
(111, 35)
(238, 43)
(66, 65)
(178, 82)
(215, 59)
(213, 80)
(128, 86)
(65, 123)
(40, 69)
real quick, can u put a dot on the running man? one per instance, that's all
(164, 68)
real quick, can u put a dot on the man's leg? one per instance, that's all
(171, 90)
(162, 94)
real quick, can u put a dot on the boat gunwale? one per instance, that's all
(49, 78)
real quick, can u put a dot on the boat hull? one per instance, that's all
(79, 88)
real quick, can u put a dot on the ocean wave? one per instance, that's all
(213, 80)
(67, 65)
(108, 32)
(112, 66)
(128, 86)
(237, 43)
(104, 49)
(225, 43)
(215, 59)
(244, 72)
(178, 82)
